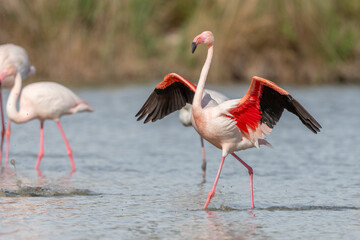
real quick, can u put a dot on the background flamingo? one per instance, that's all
(185, 114)
(236, 124)
(11, 55)
(167, 93)
(43, 100)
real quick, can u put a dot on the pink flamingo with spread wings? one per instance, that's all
(232, 125)
(166, 98)
(43, 100)
(11, 55)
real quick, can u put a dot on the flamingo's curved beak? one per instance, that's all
(193, 47)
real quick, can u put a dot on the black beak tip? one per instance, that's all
(193, 47)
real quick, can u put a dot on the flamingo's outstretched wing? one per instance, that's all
(264, 103)
(168, 96)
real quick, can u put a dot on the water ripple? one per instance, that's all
(45, 191)
(309, 208)
(225, 208)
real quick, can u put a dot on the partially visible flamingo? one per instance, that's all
(43, 100)
(11, 55)
(161, 95)
(236, 124)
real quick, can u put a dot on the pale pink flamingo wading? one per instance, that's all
(236, 124)
(167, 93)
(16, 56)
(43, 100)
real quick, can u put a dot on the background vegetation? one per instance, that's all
(113, 41)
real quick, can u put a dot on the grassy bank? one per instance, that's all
(95, 42)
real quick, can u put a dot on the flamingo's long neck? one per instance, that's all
(13, 114)
(201, 84)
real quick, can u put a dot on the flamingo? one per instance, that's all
(11, 55)
(171, 81)
(43, 100)
(236, 124)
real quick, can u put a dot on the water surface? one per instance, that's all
(137, 181)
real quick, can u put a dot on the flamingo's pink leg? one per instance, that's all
(203, 166)
(212, 192)
(251, 177)
(2, 125)
(41, 151)
(8, 131)
(69, 151)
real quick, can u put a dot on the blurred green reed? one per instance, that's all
(111, 41)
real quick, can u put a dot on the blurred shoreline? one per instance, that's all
(89, 42)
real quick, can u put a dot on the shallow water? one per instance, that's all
(137, 181)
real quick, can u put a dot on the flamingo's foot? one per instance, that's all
(72, 172)
(210, 196)
(203, 181)
(204, 177)
(39, 173)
